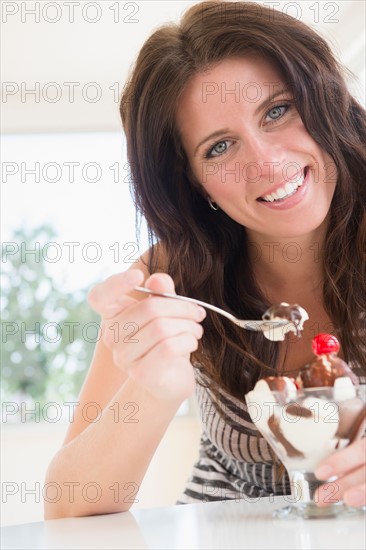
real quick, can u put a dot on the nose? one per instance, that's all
(264, 157)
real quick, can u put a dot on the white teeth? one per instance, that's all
(298, 180)
(281, 193)
(288, 189)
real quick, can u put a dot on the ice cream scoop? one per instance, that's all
(291, 312)
(327, 369)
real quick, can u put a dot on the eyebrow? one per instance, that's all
(218, 133)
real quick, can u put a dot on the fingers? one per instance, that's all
(166, 352)
(152, 334)
(343, 461)
(151, 338)
(160, 282)
(155, 307)
(349, 465)
(103, 298)
(344, 488)
(356, 496)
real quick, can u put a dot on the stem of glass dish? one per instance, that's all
(303, 486)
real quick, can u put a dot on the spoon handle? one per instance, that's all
(258, 325)
(186, 299)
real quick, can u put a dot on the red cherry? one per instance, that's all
(325, 343)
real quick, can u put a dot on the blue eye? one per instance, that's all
(217, 150)
(277, 112)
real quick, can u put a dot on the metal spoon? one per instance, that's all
(260, 325)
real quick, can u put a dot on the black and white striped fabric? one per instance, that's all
(235, 461)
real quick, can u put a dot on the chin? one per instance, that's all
(308, 225)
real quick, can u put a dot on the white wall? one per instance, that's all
(75, 49)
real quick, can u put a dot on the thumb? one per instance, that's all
(105, 298)
(160, 282)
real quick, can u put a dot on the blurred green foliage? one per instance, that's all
(48, 335)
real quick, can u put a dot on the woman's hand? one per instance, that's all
(150, 339)
(349, 465)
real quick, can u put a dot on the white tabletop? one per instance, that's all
(225, 524)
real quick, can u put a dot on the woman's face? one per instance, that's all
(248, 148)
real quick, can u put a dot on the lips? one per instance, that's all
(284, 190)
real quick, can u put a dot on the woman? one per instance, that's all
(249, 162)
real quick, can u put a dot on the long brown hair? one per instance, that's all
(207, 252)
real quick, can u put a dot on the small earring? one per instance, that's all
(212, 204)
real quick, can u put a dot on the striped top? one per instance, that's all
(235, 461)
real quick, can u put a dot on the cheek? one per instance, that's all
(225, 178)
(221, 183)
(325, 171)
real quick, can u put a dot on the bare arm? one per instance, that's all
(138, 386)
(109, 458)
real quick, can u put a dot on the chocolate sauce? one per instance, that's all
(294, 409)
(324, 370)
(274, 426)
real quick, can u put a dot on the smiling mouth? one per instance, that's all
(287, 190)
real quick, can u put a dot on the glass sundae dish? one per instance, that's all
(307, 419)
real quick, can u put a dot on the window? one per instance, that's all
(71, 224)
